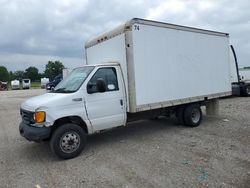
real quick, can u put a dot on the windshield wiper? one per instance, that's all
(62, 90)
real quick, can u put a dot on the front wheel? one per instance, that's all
(68, 141)
(193, 115)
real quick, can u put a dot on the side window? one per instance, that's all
(108, 75)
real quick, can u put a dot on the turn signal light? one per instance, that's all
(40, 117)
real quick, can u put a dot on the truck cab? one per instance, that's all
(91, 96)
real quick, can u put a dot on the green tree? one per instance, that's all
(18, 75)
(52, 69)
(11, 76)
(4, 74)
(32, 73)
(41, 75)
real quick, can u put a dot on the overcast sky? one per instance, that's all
(32, 32)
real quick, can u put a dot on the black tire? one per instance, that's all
(192, 115)
(179, 114)
(154, 118)
(68, 141)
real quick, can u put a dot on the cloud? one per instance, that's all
(51, 29)
(224, 15)
(23, 61)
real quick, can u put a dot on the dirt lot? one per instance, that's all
(150, 153)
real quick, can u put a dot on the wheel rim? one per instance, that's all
(70, 142)
(195, 115)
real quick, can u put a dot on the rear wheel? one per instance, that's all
(193, 115)
(68, 141)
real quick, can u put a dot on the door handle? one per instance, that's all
(121, 102)
(77, 99)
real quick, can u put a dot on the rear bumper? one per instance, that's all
(36, 134)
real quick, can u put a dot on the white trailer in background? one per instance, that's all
(244, 75)
(66, 71)
(15, 84)
(26, 83)
(140, 70)
(44, 81)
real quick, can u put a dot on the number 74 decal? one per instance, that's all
(136, 27)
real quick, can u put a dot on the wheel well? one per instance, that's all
(70, 119)
(200, 103)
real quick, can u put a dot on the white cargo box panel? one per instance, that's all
(111, 50)
(165, 64)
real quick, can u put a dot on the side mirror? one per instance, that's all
(90, 89)
(101, 85)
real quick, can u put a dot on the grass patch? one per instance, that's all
(35, 85)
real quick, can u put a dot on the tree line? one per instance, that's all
(52, 69)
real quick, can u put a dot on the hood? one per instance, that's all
(48, 100)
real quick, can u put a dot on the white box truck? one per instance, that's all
(142, 69)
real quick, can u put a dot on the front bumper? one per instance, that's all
(36, 134)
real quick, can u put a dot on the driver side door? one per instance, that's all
(106, 109)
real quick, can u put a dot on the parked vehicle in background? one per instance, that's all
(51, 85)
(3, 86)
(240, 83)
(139, 70)
(15, 84)
(244, 74)
(26, 83)
(44, 81)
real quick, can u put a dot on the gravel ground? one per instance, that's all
(148, 153)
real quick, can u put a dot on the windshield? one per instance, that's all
(74, 80)
(57, 78)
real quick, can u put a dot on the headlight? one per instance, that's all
(40, 117)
